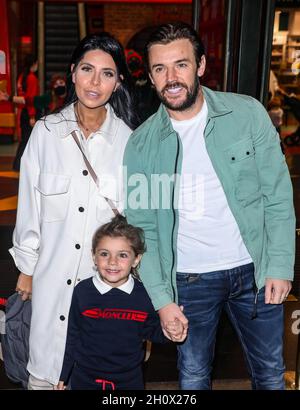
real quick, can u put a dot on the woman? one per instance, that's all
(60, 205)
(28, 88)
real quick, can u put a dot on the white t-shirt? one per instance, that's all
(208, 235)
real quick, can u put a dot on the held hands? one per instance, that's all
(176, 331)
(173, 322)
(277, 290)
(24, 286)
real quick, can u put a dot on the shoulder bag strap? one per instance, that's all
(93, 173)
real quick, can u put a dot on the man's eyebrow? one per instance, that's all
(182, 60)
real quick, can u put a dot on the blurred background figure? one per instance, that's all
(28, 87)
(54, 99)
(147, 100)
(275, 112)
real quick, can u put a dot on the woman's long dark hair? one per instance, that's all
(29, 60)
(123, 99)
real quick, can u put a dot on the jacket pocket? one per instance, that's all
(55, 196)
(241, 159)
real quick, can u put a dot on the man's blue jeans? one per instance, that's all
(203, 297)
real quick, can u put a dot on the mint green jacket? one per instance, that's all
(245, 152)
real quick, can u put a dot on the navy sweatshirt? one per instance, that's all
(106, 332)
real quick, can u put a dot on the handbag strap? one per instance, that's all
(93, 173)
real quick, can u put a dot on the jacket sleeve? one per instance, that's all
(152, 329)
(72, 339)
(277, 196)
(26, 236)
(139, 213)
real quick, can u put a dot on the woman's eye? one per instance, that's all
(108, 74)
(85, 68)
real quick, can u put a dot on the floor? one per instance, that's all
(160, 371)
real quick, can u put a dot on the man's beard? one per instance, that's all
(190, 99)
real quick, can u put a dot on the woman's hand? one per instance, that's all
(24, 286)
(60, 386)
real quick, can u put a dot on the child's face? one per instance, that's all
(114, 259)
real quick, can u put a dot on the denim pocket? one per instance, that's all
(184, 278)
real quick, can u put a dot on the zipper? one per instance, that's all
(174, 256)
(256, 291)
(231, 206)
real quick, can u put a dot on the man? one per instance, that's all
(226, 237)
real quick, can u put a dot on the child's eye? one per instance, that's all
(103, 254)
(123, 255)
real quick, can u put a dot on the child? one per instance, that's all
(110, 316)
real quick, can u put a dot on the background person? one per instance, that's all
(28, 88)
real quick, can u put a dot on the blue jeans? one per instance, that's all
(203, 297)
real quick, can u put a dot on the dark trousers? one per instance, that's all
(25, 134)
(85, 379)
(203, 297)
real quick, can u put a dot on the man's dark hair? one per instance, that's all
(169, 32)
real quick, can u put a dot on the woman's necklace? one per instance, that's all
(81, 123)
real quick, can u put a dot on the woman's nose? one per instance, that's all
(96, 79)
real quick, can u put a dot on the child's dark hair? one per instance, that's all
(119, 227)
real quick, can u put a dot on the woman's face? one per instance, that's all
(95, 78)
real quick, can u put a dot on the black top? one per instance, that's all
(106, 332)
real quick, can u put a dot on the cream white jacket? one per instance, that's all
(59, 209)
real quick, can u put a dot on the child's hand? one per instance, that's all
(60, 386)
(176, 330)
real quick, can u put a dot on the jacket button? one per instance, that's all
(233, 158)
(80, 209)
(77, 246)
(248, 153)
(62, 318)
(69, 281)
(85, 172)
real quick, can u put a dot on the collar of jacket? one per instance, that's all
(66, 122)
(215, 105)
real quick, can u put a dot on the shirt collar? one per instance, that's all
(103, 287)
(66, 123)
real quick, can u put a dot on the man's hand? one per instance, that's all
(24, 286)
(277, 290)
(171, 313)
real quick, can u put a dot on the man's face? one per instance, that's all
(175, 75)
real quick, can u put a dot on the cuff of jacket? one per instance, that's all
(24, 262)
